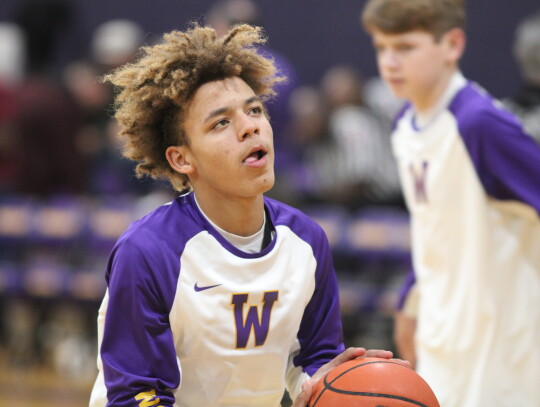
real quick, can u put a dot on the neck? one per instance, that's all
(239, 216)
(424, 103)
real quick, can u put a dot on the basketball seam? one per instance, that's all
(387, 396)
(363, 364)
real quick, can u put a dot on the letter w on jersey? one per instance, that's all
(259, 323)
(419, 182)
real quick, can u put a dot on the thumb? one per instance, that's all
(303, 398)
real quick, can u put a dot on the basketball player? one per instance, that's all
(222, 297)
(471, 179)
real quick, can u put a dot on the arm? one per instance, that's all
(405, 320)
(137, 351)
(320, 335)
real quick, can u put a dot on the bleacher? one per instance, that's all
(56, 251)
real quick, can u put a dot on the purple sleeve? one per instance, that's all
(320, 334)
(506, 159)
(137, 350)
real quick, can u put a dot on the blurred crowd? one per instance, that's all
(66, 192)
(58, 135)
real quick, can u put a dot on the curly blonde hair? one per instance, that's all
(153, 92)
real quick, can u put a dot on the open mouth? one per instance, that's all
(255, 155)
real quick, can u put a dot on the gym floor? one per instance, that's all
(39, 387)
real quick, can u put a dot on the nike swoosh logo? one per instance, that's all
(197, 288)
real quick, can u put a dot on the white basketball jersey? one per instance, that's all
(189, 320)
(471, 179)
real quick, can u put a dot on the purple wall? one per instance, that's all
(314, 34)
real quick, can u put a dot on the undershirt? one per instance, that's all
(248, 244)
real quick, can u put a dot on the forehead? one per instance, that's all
(219, 94)
(416, 36)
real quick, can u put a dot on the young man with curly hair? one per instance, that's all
(470, 176)
(223, 297)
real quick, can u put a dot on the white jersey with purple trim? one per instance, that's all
(190, 320)
(471, 179)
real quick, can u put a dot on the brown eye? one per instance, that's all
(256, 110)
(220, 123)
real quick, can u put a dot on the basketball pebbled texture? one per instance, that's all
(373, 382)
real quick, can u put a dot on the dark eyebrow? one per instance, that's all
(222, 110)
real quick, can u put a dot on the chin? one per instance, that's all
(267, 182)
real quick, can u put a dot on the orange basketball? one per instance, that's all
(372, 382)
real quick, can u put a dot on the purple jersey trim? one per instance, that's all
(400, 114)
(506, 159)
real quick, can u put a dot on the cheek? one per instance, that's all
(429, 72)
(210, 156)
(267, 130)
(422, 69)
(218, 156)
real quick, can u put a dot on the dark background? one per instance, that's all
(313, 34)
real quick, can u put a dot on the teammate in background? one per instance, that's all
(471, 180)
(526, 104)
(223, 296)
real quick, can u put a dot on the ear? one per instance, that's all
(179, 159)
(455, 39)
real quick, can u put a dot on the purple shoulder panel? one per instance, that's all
(506, 159)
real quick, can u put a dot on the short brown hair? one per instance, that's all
(153, 92)
(401, 16)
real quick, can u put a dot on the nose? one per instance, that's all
(248, 126)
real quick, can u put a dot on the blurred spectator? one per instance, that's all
(378, 97)
(11, 54)
(44, 23)
(11, 71)
(353, 165)
(45, 125)
(308, 110)
(306, 131)
(526, 103)
(114, 43)
(46, 119)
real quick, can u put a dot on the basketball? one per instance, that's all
(373, 382)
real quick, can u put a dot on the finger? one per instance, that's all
(345, 356)
(307, 387)
(402, 361)
(379, 353)
(348, 354)
(304, 396)
(301, 400)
